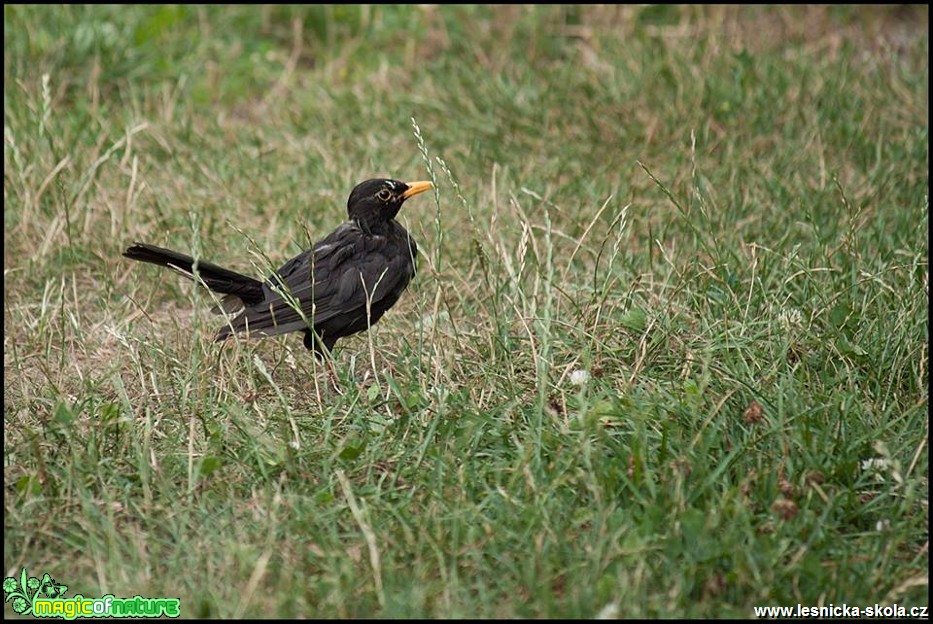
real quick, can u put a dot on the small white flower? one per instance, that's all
(579, 377)
(874, 463)
(790, 318)
(883, 469)
(609, 612)
(877, 465)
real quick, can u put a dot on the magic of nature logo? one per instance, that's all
(45, 597)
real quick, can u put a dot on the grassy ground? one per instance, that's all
(666, 354)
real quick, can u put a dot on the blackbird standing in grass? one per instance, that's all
(341, 286)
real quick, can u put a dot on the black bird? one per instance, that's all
(341, 286)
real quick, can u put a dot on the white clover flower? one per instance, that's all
(883, 469)
(609, 612)
(879, 467)
(790, 318)
(579, 377)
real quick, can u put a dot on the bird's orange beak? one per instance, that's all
(416, 187)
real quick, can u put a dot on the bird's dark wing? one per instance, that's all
(349, 269)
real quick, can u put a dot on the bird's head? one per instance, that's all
(376, 201)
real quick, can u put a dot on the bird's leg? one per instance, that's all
(333, 375)
(322, 353)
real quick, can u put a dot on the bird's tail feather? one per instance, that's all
(216, 278)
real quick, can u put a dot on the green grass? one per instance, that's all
(720, 215)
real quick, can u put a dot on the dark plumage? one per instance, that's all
(359, 271)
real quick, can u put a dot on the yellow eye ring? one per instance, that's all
(384, 195)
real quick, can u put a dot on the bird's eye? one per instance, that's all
(384, 195)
